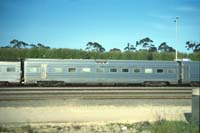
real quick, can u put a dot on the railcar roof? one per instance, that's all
(93, 60)
(9, 62)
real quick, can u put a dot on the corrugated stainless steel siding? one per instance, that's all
(191, 71)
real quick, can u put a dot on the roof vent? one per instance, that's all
(101, 62)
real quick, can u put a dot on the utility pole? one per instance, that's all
(176, 21)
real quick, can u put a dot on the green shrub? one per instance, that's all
(173, 127)
(63, 53)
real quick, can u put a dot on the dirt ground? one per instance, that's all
(93, 111)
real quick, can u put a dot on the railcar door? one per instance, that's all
(186, 76)
(43, 71)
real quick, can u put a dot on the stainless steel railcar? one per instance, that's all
(10, 72)
(70, 71)
(190, 72)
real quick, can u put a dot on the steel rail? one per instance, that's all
(94, 88)
(95, 93)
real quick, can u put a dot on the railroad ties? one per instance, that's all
(42, 93)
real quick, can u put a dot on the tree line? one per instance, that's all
(21, 44)
(143, 49)
(64, 53)
(145, 44)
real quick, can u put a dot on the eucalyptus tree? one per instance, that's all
(193, 45)
(95, 46)
(33, 46)
(15, 43)
(197, 48)
(23, 44)
(163, 47)
(39, 45)
(130, 47)
(146, 44)
(18, 44)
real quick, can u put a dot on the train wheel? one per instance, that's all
(195, 84)
(50, 83)
(4, 83)
(155, 83)
(164, 84)
(148, 84)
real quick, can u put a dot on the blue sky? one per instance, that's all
(112, 23)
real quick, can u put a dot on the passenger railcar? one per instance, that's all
(70, 71)
(190, 72)
(10, 72)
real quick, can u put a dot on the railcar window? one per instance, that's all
(113, 70)
(32, 69)
(86, 69)
(148, 70)
(100, 70)
(10, 69)
(71, 70)
(171, 71)
(125, 70)
(160, 70)
(136, 70)
(58, 69)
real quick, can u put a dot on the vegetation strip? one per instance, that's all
(160, 126)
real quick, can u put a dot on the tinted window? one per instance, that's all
(71, 69)
(148, 70)
(125, 70)
(10, 69)
(113, 70)
(160, 70)
(136, 70)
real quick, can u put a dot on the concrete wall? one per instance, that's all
(195, 106)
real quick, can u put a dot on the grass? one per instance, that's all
(160, 126)
(164, 126)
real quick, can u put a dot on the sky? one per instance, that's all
(112, 23)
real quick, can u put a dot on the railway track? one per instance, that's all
(44, 93)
